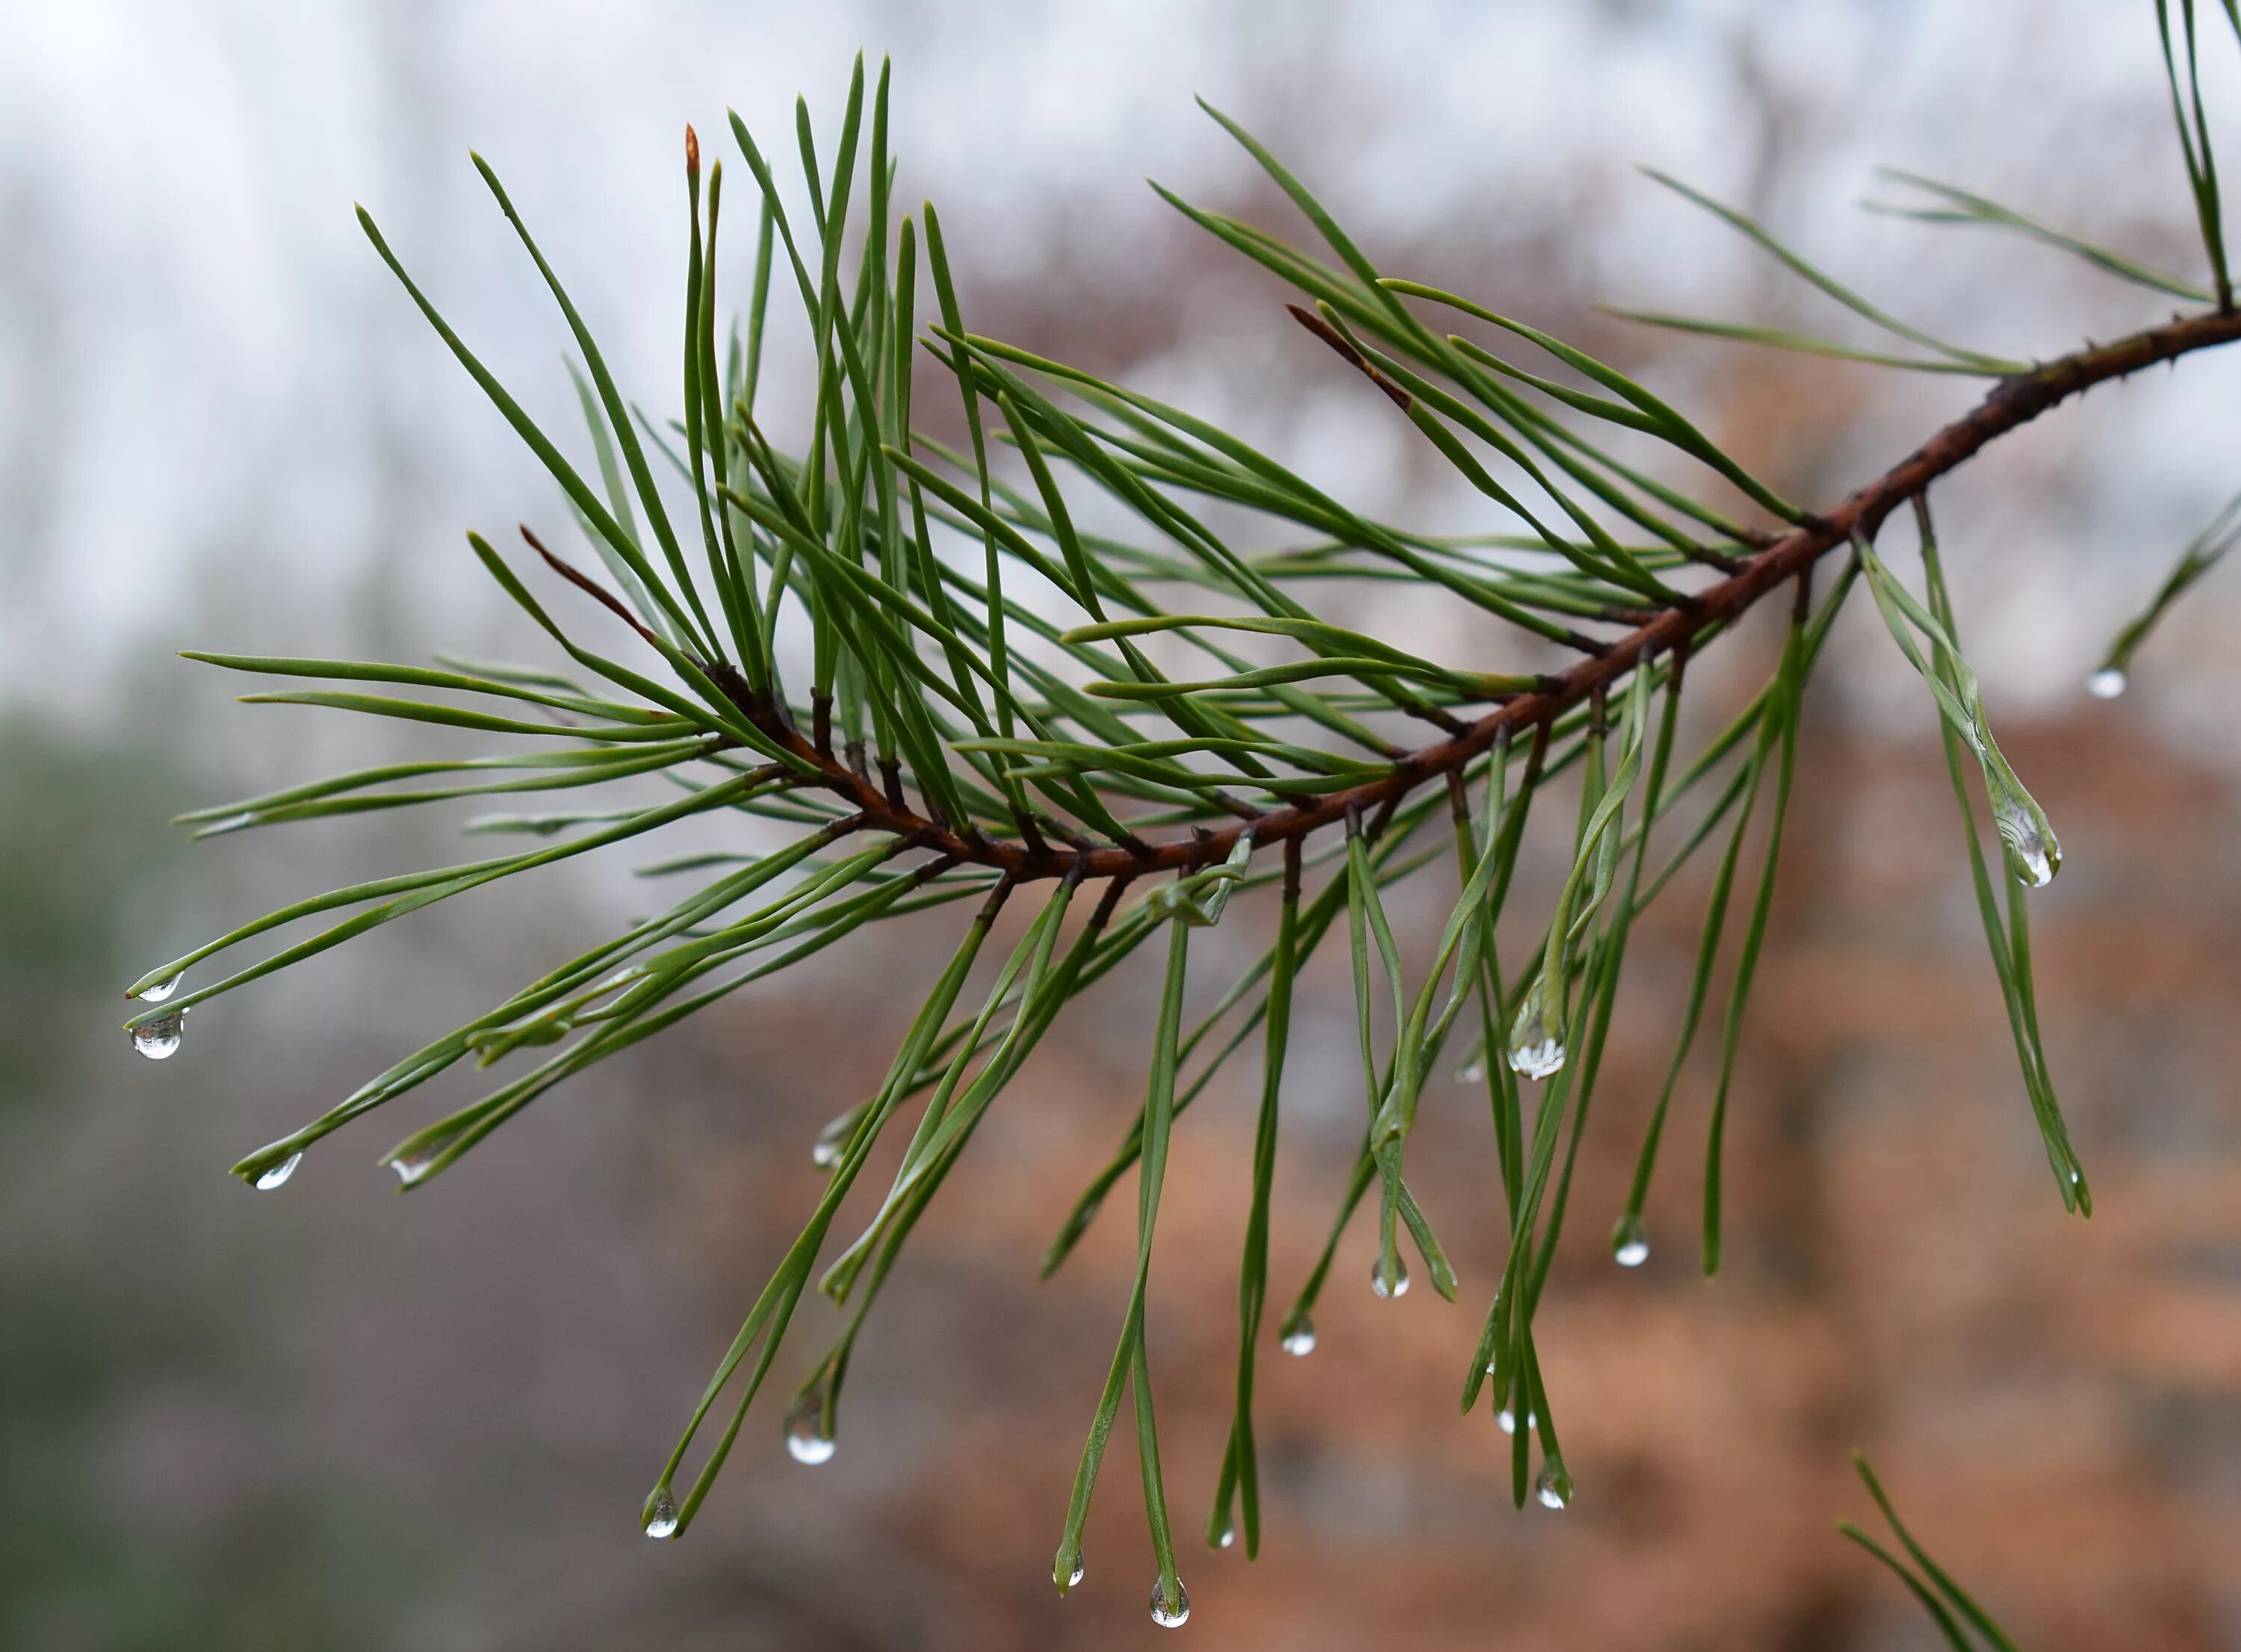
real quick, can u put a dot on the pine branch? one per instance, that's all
(956, 743)
(2011, 404)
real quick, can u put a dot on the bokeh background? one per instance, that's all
(329, 1417)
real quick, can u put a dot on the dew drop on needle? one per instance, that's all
(1630, 1242)
(805, 1439)
(1535, 1052)
(1170, 1614)
(159, 1039)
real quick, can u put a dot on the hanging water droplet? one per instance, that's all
(1508, 1419)
(2032, 862)
(2033, 853)
(1079, 1566)
(1299, 1337)
(1229, 1536)
(1537, 1053)
(268, 1179)
(159, 1039)
(833, 1140)
(156, 992)
(1554, 1488)
(805, 1439)
(1535, 1049)
(1630, 1241)
(1170, 1614)
(414, 1166)
(1397, 1286)
(2107, 683)
(661, 1519)
(1471, 1072)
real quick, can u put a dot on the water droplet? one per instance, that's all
(1537, 1055)
(2033, 862)
(1630, 1241)
(159, 1039)
(2033, 856)
(219, 828)
(1508, 1419)
(1170, 1614)
(1554, 1486)
(2106, 684)
(1229, 1536)
(415, 1166)
(1299, 1337)
(805, 1439)
(1471, 1072)
(1534, 1049)
(1397, 1286)
(833, 1141)
(267, 1180)
(2041, 870)
(159, 991)
(661, 1519)
(1079, 1566)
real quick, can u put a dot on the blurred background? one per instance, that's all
(327, 1417)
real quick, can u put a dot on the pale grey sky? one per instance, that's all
(212, 397)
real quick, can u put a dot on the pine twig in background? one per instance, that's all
(2201, 553)
(1951, 1608)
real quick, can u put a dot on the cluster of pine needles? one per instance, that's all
(948, 687)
